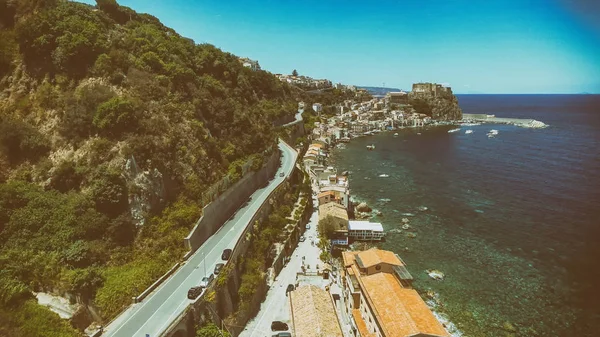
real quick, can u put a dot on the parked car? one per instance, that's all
(307, 226)
(206, 280)
(279, 326)
(218, 268)
(302, 238)
(194, 292)
(281, 174)
(283, 334)
(226, 254)
(290, 287)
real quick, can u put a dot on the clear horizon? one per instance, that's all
(496, 47)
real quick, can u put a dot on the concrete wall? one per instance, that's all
(224, 303)
(219, 210)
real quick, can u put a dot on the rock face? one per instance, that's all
(147, 190)
(435, 100)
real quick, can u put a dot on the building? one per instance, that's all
(313, 313)
(399, 97)
(433, 89)
(248, 63)
(365, 230)
(317, 107)
(380, 300)
(339, 215)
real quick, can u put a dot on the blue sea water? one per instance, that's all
(513, 221)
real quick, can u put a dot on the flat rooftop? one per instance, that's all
(359, 225)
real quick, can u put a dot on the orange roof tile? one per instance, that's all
(376, 256)
(348, 257)
(313, 313)
(400, 311)
(361, 324)
(322, 194)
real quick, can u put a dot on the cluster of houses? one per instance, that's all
(393, 111)
(332, 191)
(305, 81)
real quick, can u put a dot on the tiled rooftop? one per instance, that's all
(313, 313)
(361, 324)
(401, 312)
(376, 256)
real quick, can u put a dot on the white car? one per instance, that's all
(206, 280)
(307, 226)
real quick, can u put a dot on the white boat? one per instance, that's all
(396, 134)
(454, 130)
(371, 147)
(468, 132)
(492, 133)
(384, 175)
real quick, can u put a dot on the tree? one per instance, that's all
(294, 72)
(116, 116)
(110, 193)
(327, 226)
(211, 330)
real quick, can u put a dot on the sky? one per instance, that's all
(475, 46)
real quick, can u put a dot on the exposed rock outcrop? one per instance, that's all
(146, 190)
(363, 207)
(435, 100)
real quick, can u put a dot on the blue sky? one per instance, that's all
(476, 46)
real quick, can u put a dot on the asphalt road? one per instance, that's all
(153, 315)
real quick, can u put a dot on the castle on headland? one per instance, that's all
(431, 89)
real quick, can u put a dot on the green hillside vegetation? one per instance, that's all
(81, 90)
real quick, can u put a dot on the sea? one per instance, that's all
(512, 221)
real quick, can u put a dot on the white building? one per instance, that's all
(365, 230)
(317, 107)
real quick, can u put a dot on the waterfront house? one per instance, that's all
(379, 298)
(365, 230)
(339, 216)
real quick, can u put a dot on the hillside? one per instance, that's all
(111, 127)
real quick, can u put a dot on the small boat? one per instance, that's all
(492, 133)
(454, 130)
(468, 132)
(396, 134)
(384, 175)
(371, 147)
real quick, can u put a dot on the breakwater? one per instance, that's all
(523, 122)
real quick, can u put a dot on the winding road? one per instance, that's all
(155, 313)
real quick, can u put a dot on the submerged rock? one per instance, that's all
(406, 226)
(363, 207)
(404, 220)
(411, 235)
(435, 274)
(422, 208)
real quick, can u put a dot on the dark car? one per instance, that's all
(218, 268)
(279, 326)
(290, 287)
(194, 292)
(281, 174)
(226, 254)
(283, 334)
